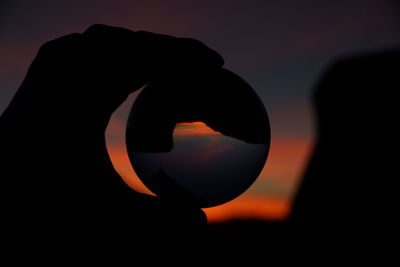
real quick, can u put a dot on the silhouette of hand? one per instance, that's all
(54, 155)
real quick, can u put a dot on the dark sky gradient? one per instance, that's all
(279, 47)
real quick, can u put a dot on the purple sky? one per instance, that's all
(279, 47)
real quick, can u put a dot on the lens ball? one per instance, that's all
(201, 139)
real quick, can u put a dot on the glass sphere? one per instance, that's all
(201, 139)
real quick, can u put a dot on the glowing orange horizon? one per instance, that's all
(251, 207)
(194, 128)
(284, 167)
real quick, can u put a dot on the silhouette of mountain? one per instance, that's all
(169, 190)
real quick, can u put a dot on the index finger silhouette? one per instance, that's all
(132, 59)
(158, 53)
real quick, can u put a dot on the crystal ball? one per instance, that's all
(201, 138)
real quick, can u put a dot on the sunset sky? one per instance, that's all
(279, 47)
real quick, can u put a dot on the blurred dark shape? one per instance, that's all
(348, 189)
(347, 199)
(219, 98)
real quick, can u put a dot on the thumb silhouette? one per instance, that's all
(55, 169)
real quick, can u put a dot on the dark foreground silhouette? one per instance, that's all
(348, 195)
(58, 184)
(57, 180)
(346, 202)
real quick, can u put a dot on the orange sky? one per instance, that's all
(250, 207)
(193, 128)
(261, 201)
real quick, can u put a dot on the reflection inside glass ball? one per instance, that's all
(202, 140)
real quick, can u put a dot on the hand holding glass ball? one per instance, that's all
(201, 139)
(197, 139)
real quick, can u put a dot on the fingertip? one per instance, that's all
(219, 60)
(199, 53)
(207, 55)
